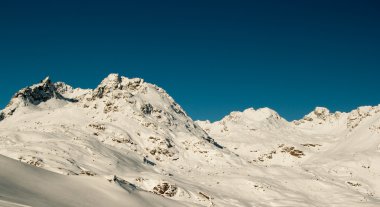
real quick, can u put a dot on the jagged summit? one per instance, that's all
(113, 78)
(140, 116)
(111, 82)
(114, 82)
(46, 80)
(32, 95)
(38, 93)
(113, 87)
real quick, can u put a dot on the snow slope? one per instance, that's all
(25, 185)
(135, 131)
(333, 156)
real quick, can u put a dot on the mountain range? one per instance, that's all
(128, 143)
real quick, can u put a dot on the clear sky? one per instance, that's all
(211, 56)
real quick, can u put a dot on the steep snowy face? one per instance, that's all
(152, 117)
(134, 93)
(141, 101)
(128, 114)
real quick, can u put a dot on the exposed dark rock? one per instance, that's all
(147, 108)
(165, 189)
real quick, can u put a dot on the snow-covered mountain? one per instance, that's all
(135, 137)
(326, 159)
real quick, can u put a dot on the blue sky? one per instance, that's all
(211, 56)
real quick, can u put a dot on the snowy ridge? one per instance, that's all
(322, 119)
(129, 140)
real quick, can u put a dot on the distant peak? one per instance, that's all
(116, 82)
(46, 80)
(267, 110)
(318, 115)
(321, 111)
(258, 114)
(249, 109)
(263, 111)
(112, 78)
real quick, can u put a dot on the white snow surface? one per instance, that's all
(128, 143)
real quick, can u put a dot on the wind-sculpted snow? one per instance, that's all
(22, 185)
(134, 136)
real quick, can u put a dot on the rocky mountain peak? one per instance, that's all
(62, 87)
(112, 80)
(115, 82)
(34, 95)
(38, 93)
(319, 113)
(318, 116)
(46, 80)
(355, 117)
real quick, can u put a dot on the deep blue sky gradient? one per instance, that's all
(211, 56)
